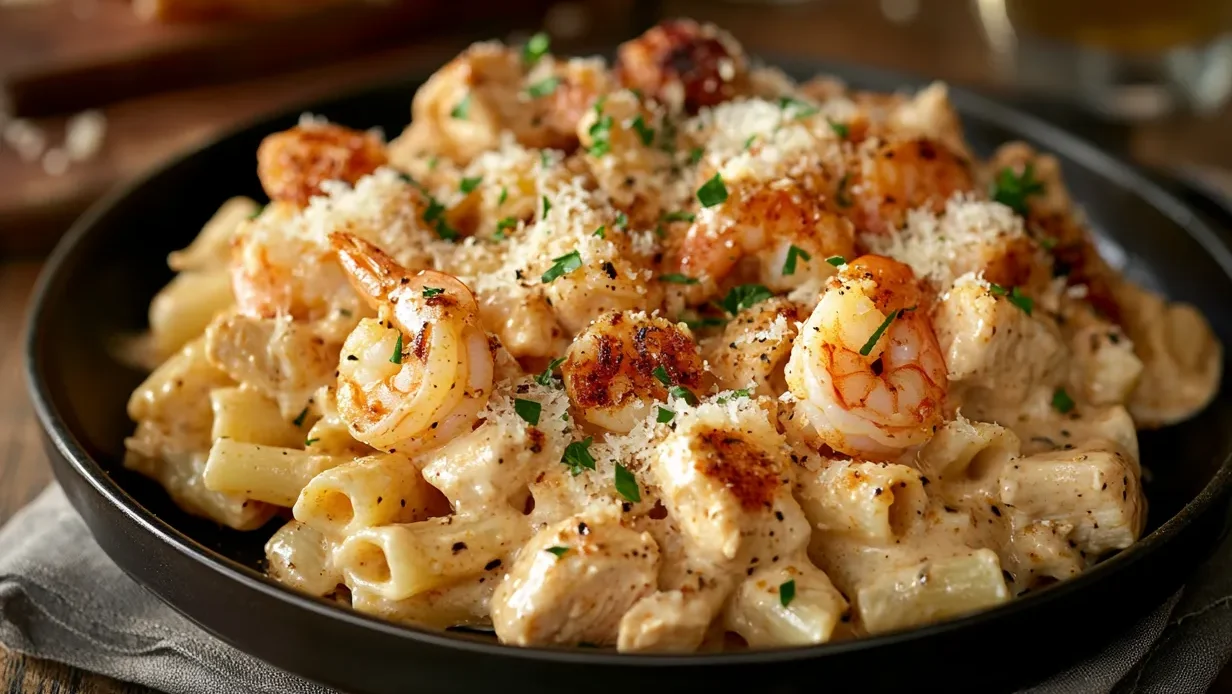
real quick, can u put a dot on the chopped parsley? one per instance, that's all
(543, 87)
(787, 593)
(299, 418)
(545, 378)
(837, 260)
(794, 254)
(558, 551)
(435, 215)
(679, 217)
(643, 131)
(839, 129)
(502, 225)
(749, 142)
(1061, 401)
(885, 324)
(703, 322)
(742, 393)
(462, 110)
(257, 213)
(665, 415)
(547, 207)
(661, 374)
(683, 393)
(577, 456)
(622, 220)
(536, 47)
(626, 484)
(503, 196)
(562, 265)
(396, 357)
(528, 410)
(695, 155)
(545, 158)
(1047, 242)
(600, 133)
(430, 292)
(1023, 302)
(1013, 190)
(745, 296)
(802, 109)
(712, 192)
(601, 232)
(677, 278)
(469, 184)
(840, 195)
(309, 442)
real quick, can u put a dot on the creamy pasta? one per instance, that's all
(676, 355)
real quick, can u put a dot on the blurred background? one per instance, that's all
(93, 92)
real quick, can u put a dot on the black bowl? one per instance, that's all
(100, 280)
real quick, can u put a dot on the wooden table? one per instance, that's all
(944, 42)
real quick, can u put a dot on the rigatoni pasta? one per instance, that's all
(661, 360)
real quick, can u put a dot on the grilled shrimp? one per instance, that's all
(866, 370)
(895, 177)
(766, 221)
(684, 64)
(421, 374)
(294, 163)
(623, 361)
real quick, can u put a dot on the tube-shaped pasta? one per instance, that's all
(964, 459)
(184, 308)
(376, 490)
(785, 604)
(265, 473)
(212, 246)
(464, 603)
(1094, 488)
(931, 591)
(300, 556)
(876, 501)
(245, 415)
(403, 560)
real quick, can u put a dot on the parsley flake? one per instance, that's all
(840, 195)
(562, 265)
(430, 292)
(502, 225)
(665, 415)
(695, 155)
(601, 232)
(601, 135)
(742, 393)
(626, 484)
(787, 593)
(683, 393)
(661, 374)
(802, 109)
(257, 213)
(1012, 190)
(837, 260)
(396, 357)
(712, 192)
(536, 47)
(622, 220)
(309, 442)
(558, 551)
(839, 129)
(745, 296)
(885, 324)
(528, 410)
(545, 378)
(469, 184)
(299, 418)
(547, 207)
(503, 196)
(679, 217)
(794, 254)
(543, 87)
(677, 278)
(1015, 297)
(1061, 401)
(749, 142)
(577, 456)
(462, 110)
(643, 131)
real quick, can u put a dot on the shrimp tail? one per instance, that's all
(371, 271)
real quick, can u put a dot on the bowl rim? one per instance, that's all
(969, 104)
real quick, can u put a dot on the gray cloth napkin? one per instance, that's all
(62, 599)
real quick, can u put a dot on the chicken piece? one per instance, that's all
(294, 163)
(753, 348)
(998, 356)
(574, 581)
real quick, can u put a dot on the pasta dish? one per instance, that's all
(679, 354)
